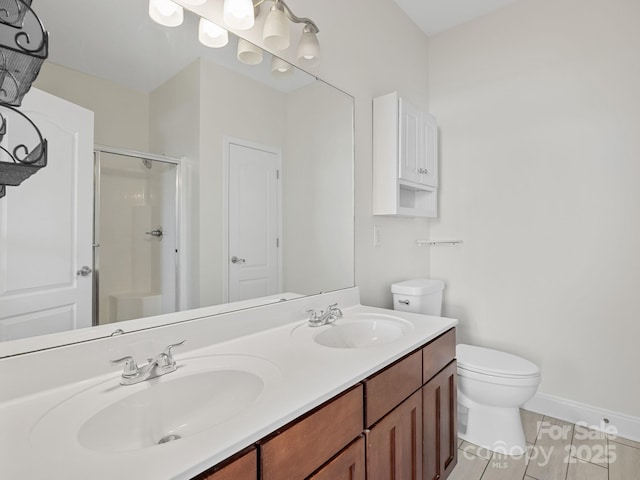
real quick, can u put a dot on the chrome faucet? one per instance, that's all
(324, 317)
(161, 365)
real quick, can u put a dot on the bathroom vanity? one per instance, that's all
(257, 394)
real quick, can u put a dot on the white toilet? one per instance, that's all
(492, 385)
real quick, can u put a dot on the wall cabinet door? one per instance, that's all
(439, 402)
(394, 445)
(348, 465)
(418, 145)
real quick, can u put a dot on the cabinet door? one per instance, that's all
(440, 424)
(394, 445)
(428, 166)
(348, 465)
(411, 145)
(244, 468)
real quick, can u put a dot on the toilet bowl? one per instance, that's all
(492, 385)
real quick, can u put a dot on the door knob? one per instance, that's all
(84, 271)
(235, 259)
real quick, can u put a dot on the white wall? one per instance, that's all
(318, 190)
(236, 106)
(121, 114)
(539, 111)
(369, 49)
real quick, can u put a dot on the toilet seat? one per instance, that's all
(478, 361)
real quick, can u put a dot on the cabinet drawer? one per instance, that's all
(437, 354)
(302, 448)
(387, 389)
(241, 467)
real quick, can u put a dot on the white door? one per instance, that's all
(46, 227)
(254, 218)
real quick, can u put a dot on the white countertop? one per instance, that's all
(303, 376)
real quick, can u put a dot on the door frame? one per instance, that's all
(181, 232)
(227, 141)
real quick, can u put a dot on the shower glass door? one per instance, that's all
(135, 236)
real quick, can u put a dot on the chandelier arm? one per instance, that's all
(295, 19)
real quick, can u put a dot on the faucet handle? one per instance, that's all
(167, 353)
(335, 310)
(130, 366)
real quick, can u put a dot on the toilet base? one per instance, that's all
(498, 429)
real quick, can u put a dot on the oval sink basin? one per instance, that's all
(362, 331)
(202, 393)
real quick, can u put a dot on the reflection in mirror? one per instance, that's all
(263, 159)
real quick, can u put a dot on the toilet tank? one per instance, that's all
(421, 295)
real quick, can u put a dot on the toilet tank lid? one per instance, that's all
(486, 360)
(418, 286)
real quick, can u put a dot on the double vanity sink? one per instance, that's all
(221, 398)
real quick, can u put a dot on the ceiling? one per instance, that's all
(94, 37)
(434, 16)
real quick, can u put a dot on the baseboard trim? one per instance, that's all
(619, 424)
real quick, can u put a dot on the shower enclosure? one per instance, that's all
(135, 235)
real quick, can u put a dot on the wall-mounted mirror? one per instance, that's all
(173, 117)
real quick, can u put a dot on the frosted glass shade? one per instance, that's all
(308, 48)
(166, 12)
(194, 3)
(280, 67)
(238, 14)
(248, 53)
(212, 35)
(276, 34)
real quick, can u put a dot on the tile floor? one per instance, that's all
(557, 451)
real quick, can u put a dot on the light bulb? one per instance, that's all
(212, 35)
(194, 3)
(276, 33)
(238, 14)
(166, 12)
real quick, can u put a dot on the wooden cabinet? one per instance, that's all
(439, 400)
(239, 467)
(405, 158)
(301, 448)
(394, 445)
(348, 465)
(398, 423)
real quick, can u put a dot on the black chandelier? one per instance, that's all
(23, 49)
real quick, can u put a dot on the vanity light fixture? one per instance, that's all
(211, 34)
(24, 45)
(166, 12)
(240, 15)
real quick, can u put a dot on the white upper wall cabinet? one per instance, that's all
(405, 159)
